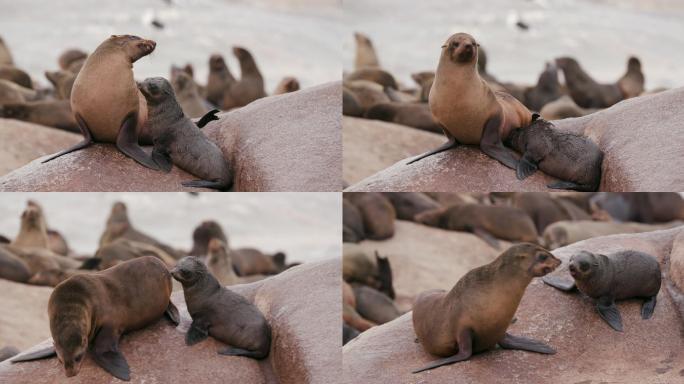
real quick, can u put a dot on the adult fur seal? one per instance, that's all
(33, 228)
(375, 75)
(424, 80)
(5, 55)
(70, 59)
(631, 84)
(221, 313)
(358, 267)
(416, 115)
(586, 92)
(573, 158)
(564, 107)
(352, 223)
(220, 264)
(377, 213)
(106, 102)
(123, 250)
(409, 204)
(251, 261)
(474, 315)
(188, 95)
(365, 52)
(250, 86)
(469, 111)
(50, 113)
(547, 89)
(90, 312)
(618, 276)
(16, 76)
(63, 81)
(12, 267)
(202, 234)
(219, 81)
(177, 140)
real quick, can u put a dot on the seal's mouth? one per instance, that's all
(148, 46)
(573, 270)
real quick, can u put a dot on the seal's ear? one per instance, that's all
(535, 116)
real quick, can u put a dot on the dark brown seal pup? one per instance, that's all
(50, 113)
(584, 90)
(221, 313)
(469, 111)
(416, 115)
(573, 158)
(177, 140)
(618, 276)
(488, 222)
(464, 321)
(202, 234)
(377, 213)
(219, 81)
(548, 89)
(631, 84)
(286, 85)
(16, 76)
(106, 102)
(90, 312)
(250, 86)
(365, 52)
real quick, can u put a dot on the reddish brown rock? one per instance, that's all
(302, 304)
(23, 318)
(640, 137)
(677, 262)
(648, 351)
(290, 142)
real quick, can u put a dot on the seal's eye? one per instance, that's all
(584, 266)
(79, 358)
(542, 257)
(454, 44)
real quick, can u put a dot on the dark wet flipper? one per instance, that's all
(207, 118)
(127, 142)
(36, 355)
(196, 333)
(105, 352)
(648, 308)
(559, 283)
(87, 140)
(172, 313)
(525, 168)
(162, 159)
(204, 184)
(452, 143)
(232, 351)
(465, 350)
(569, 185)
(445, 361)
(487, 237)
(611, 315)
(491, 143)
(524, 344)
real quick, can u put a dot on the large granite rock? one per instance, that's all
(640, 137)
(303, 306)
(589, 351)
(21, 142)
(290, 142)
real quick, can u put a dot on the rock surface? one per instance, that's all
(290, 142)
(302, 304)
(639, 137)
(21, 142)
(648, 351)
(23, 318)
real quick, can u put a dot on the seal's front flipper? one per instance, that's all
(105, 352)
(524, 344)
(559, 283)
(486, 237)
(490, 143)
(127, 142)
(162, 159)
(570, 185)
(452, 143)
(525, 167)
(205, 184)
(232, 351)
(87, 140)
(196, 333)
(207, 118)
(609, 312)
(648, 307)
(465, 350)
(42, 353)
(172, 313)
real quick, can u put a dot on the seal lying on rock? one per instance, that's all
(179, 141)
(618, 276)
(221, 313)
(573, 158)
(474, 315)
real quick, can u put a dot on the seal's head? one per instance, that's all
(529, 258)
(583, 265)
(71, 349)
(70, 321)
(216, 63)
(189, 270)
(241, 53)
(517, 138)
(134, 46)
(461, 48)
(32, 216)
(156, 90)
(633, 64)
(182, 82)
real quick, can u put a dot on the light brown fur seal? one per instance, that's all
(564, 107)
(584, 90)
(416, 115)
(617, 276)
(5, 55)
(90, 312)
(631, 84)
(286, 85)
(16, 76)
(202, 234)
(50, 113)
(250, 86)
(377, 213)
(562, 233)
(251, 261)
(12, 267)
(365, 52)
(376, 75)
(424, 80)
(220, 313)
(63, 81)
(469, 111)
(188, 95)
(408, 204)
(358, 267)
(220, 263)
(474, 315)
(177, 140)
(122, 250)
(107, 105)
(219, 81)
(72, 60)
(33, 228)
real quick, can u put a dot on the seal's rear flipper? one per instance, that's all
(232, 351)
(205, 184)
(172, 313)
(524, 344)
(127, 142)
(648, 307)
(105, 352)
(207, 118)
(610, 314)
(162, 159)
(452, 143)
(37, 355)
(87, 140)
(525, 168)
(559, 283)
(196, 333)
(465, 350)
(487, 237)
(570, 185)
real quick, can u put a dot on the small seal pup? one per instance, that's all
(220, 313)
(474, 315)
(617, 276)
(179, 141)
(469, 111)
(573, 158)
(105, 101)
(90, 312)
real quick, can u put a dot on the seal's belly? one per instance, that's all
(464, 117)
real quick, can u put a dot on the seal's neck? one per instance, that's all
(165, 113)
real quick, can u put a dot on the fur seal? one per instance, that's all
(377, 213)
(488, 222)
(358, 267)
(177, 140)
(202, 234)
(374, 305)
(5, 55)
(90, 312)
(352, 223)
(364, 95)
(220, 264)
(573, 158)
(548, 89)
(408, 204)
(617, 276)
(467, 108)
(219, 81)
(365, 52)
(584, 90)
(63, 81)
(631, 84)
(375, 75)
(645, 207)
(286, 85)
(563, 233)
(16, 76)
(122, 250)
(12, 267)
(107, 105)
(188, 95)
(416, 115)
(251, 261)
(50, 113)
(464, 321)
(545, 209)
(220, 313)
(564, 107)
(250, 86)
(10, 93)
(424, 80)
(72, 60)
(33, 228)
(350, 316)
